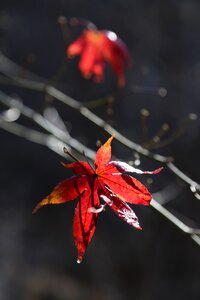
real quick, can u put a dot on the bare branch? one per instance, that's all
(57, 136)
(11, 70)
(194, 233)
(45, 124)
(60, 96)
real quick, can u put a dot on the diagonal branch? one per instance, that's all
(194, 233)
(38, 119)
(56, 135)
(10, 69)
(65, 99)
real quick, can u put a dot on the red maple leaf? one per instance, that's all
(97, 48)
(109, 182)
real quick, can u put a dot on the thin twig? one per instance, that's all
(50, 141)
(45, 124)
(69, 101)
(194, 233)
(178, 133)
(61, 136)
(34, 136)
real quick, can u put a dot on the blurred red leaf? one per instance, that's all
(97, 48)
(110, 182)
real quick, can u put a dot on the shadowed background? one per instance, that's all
(37, 253)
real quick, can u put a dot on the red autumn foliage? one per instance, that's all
(109, 182)
(96, 48)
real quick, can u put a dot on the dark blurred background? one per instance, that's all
(37, 253)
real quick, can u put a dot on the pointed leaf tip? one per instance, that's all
(158, 170)
(110, 139)
(126, 168)
(40, 204)
(103, 155)
(36, 208)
